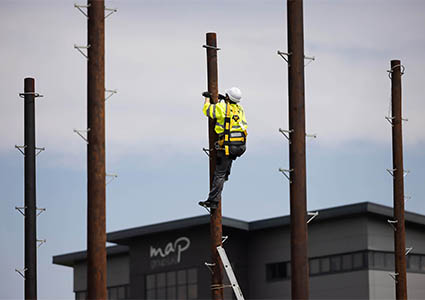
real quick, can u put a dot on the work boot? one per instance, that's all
(208, 203)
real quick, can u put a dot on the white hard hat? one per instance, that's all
(234, 94)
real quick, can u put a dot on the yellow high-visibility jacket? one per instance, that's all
(218, 111)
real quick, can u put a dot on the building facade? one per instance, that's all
(350, 257)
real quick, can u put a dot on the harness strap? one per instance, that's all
(227, 130)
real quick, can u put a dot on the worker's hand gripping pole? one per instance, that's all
(215, 225)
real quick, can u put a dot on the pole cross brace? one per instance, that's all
(111, 93)
(284, 55)
(312, 215)
(79, 132)
(211, 47)
(111, 177)
(36, 95)
(20, 149)
(21, 272)
(408, 250)
(21, 209)
(40, 211)
(207, 151)
(209, 265)
(80, 8)
(220, 286)
(286, 133)
(39, 150)
(286, 172)
(82, 47)
(402, 69)
(393, 276)
(224, 238)
(392, 222)
(110, 11)
(390, 120)
(41, 242)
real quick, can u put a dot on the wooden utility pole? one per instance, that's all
(216, 223)
(96, 223)
(297, 157)
(398, 182)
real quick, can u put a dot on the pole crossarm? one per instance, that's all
(36, 95)
(209, 266)
(110, 11)
(82, 47)
(286, 133)
(21, 272)
(21, 209)
(111, 93)
(111, 178)
(392, 224)
(211, 47)
(312, 215)
(80, 133)
(285, 172)
(408, 250)
(41, 242)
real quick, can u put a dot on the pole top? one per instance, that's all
(395, 62)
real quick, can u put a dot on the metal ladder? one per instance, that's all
(229, 271)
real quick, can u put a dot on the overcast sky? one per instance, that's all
(155, 129)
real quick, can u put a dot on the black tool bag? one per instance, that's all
(237, 143)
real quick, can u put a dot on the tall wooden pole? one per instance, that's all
(96, 224)
(297, 158)
(215, 224)
(30, 194)
(398, 182)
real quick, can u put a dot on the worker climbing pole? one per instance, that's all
(215, 224)
(227, 141)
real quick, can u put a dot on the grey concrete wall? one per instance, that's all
(118, 273)
(382, 286)
(325, 238)
(350, 285)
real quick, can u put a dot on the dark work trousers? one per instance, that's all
(221, 174)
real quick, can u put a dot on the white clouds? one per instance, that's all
(154, 58)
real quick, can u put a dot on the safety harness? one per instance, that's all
(235, 138)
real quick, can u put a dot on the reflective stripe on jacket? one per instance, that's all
(218, 111)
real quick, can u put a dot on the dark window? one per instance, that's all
(336, 263)
(276, 271)
(379, 260)
(325, 265)
(314, 266)
(423, 263)
(358, 260)
(347, 262)
(413, 262)
(181, 284)
(389, 261)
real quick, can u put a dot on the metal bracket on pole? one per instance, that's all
(229, 271)
(390, 120)
(310, 58)
(405, 172)
(312, 215)
(224, 238)
(79, 132)
(110, 11)
(392, 222)
(207, 151)
(21, 147)
(284, 55)
(111, 93)
(286, 133)
(82, 47)
(313, 135)
(21, 209)
(393, 276)
(211, 47)
(36, 95)
(408, 250)
(21, 272)
(111, 177)
(40, 211)
(407, 198)
(209, 265)
(402, 69)
(391, 171)
(80, 8)
(286, 172)
(39, 150)
(41, 242)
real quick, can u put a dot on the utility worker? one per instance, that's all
(231, 128)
